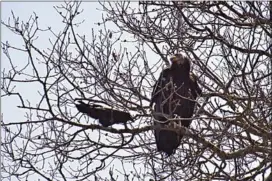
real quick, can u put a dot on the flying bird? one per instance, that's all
(105, 116)
(174, 95)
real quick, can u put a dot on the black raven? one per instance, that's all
(106, 116)
(174, 95)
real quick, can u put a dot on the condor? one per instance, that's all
(174, 95)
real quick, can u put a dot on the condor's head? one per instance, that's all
(180, 63)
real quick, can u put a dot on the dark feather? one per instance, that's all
(106, 116)
(174, 94)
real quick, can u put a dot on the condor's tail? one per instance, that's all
(167, 141)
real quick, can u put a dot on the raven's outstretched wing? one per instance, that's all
(106, 116)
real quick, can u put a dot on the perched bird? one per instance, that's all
(106, 116)
(174, 95)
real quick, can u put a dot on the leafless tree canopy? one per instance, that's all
(229, 44)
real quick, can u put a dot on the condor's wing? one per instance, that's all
(187, 96)
(160, 83)
(195, 89)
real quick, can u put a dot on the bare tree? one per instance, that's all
(230, 138)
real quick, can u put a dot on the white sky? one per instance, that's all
(47, 17)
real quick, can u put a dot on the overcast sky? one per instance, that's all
(47, 17)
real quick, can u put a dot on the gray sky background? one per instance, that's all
(47, 17)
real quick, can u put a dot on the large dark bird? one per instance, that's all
(106, 116)
(174, 95)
